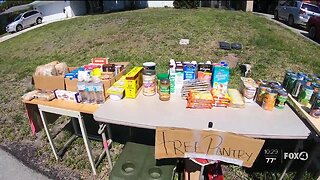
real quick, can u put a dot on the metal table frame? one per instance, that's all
(77, 115)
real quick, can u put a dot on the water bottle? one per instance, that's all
(99, 92)
(82, 91)
(90, 92)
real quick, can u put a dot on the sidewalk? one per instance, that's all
(11, 168)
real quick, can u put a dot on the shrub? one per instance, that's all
(186, 4)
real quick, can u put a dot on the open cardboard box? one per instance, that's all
(71, 85)
(49, 83)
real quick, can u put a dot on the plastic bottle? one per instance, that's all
(82, 89)
(99, 92)
(90, 92)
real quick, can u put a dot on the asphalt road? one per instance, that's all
(11, 168)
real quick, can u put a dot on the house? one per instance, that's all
(53, 10)
(246, 5)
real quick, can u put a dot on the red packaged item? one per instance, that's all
(99, 60)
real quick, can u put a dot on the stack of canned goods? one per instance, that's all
(271, 95)
(305, 88)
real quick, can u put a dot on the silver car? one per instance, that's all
(24, 20)
(296, 12)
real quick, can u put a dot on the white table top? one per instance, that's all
(150, 112)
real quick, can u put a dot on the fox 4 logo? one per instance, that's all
(296, 155)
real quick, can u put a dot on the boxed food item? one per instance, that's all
(67, 95)
(220, 78)
(205, 72)
(248, 89)
(116, 93)
(189, 71)
(133, 82)
(236, 98)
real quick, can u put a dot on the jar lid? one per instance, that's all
(162, 76)
(165, 81)
(149, 72)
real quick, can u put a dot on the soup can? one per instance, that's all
(286, 78)
(291, 82)
(260, 94)
(305, 94)
(315, 108)
(281, 99)
(269, 99)
(297, 87)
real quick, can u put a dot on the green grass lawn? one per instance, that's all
(139, 36)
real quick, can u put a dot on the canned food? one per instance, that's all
(301, 75)
(281, 99)
(291, 82)
(269, 99)
(149, 82)
(315, 108)
(297, 87)
(305, 94)
(261, 92)
(286, 77)
(308, 81)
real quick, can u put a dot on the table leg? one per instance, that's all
(290, 161)
(86, 143)
(312, 157)
(201, 173)
(42, 115)
(106, 147)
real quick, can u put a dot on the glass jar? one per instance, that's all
(159, 78)
(164, 94)
(149, 82)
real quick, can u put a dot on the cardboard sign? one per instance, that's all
(208, 144)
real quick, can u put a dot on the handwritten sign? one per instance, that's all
(208, 144)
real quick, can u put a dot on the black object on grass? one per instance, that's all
(236, 46)
(224, 45)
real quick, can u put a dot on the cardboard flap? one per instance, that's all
(49, 83)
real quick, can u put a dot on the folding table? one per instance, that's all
(74, 110)
(253, 121)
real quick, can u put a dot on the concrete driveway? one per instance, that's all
(9, 36)
(11, 168)
(299, 31)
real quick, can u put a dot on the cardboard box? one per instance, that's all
(67, 95)
(71, 85)
(133, 82)
(49, 83)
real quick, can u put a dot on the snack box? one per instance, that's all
(67, 95)
(133, 82)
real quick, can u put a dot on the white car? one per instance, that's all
(24, 20)
(296, 12)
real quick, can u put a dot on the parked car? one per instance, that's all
(296, 12)
(24, 20)
(313, 27)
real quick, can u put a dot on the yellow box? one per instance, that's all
(133, 82)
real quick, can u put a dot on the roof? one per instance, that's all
(26, 6)
(16, 8)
